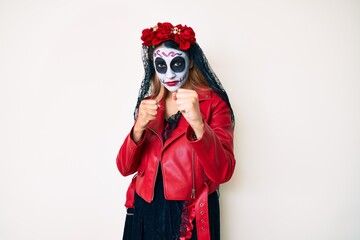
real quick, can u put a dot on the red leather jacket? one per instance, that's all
(186, 164)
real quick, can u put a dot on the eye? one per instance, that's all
(178, 64)
(160, 65)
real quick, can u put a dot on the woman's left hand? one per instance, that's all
(188, 104)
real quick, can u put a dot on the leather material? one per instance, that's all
(202, 215)
(186, 164)
(130, 193)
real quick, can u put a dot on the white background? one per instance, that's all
(69, 77)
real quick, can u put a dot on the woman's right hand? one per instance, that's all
(147, 112)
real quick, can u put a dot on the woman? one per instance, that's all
(181, 145)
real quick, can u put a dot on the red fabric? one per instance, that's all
(202, 215)
(212, 161)
(130, 194)
(186, 164)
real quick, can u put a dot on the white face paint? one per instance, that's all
(171, 66)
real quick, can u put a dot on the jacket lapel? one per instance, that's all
(178, 131)
(157, 125)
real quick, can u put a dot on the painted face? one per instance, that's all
(171, 66)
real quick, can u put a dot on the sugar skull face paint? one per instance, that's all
(171, 66)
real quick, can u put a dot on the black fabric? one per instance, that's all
(170, 124)
(128, 223)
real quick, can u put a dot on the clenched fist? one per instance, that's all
(147, 112)
(187, 102)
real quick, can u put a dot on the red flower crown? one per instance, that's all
(182, 35)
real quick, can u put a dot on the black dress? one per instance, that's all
(161, 219)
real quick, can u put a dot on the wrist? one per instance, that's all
(198, 129)
(137, 134)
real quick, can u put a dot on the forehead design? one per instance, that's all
(172, 53)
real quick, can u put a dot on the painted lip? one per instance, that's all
(172, 83)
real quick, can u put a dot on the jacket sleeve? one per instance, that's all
(215, 148)
(128, 157)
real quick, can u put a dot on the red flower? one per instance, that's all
(163, 33)
(182, 35)
(185, 38)
(147, 36)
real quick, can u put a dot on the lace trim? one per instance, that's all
(170, 124)
(187, 216)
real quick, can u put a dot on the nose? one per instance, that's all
(170, 74)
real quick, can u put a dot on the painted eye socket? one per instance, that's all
(160, 65)
(178, 64)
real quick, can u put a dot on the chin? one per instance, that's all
(173, 89)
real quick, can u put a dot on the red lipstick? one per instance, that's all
(172, 83)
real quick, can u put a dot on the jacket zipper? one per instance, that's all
(157, 167)
(193, 195)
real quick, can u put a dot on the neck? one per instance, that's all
(170, 105)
